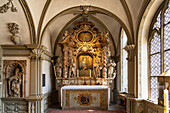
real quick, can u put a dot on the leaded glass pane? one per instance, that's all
(155, 65)
(155, 44)
(167, 37)
(167, 15)
(158, 22)
(154, 89)
(167, 60)
(156, 53)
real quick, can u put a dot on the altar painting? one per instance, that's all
(85, 64)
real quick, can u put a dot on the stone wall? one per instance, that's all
(134, 105)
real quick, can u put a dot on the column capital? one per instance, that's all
(131, 51)
(37, 51)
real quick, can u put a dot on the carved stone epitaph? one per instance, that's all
(14, 73)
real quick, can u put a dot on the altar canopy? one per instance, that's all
(85, 97)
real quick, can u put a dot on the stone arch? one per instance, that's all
(142, 45)
(99, 10)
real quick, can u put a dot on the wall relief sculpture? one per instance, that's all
(14, 29)
(14, 73)
(9, 5)
(84, 54)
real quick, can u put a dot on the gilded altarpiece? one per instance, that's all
(84, 54)
(84, 59)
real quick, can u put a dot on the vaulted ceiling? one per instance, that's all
(44, 21)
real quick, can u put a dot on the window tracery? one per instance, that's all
(159, 47)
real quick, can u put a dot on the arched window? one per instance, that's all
(159, 44)
(124, 72)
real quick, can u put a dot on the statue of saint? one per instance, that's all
(111, 69)
(166, 85)
(58, 68)
(14, 84)
(97, 69)
(71, 68)
(105, 35)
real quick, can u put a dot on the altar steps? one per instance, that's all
(85, 111)
(113, 108)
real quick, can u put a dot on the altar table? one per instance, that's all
(84, 97)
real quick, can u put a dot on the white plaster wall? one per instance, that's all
(46, 70)
(47, 41)
(113, 6)
(13, 17)
(36, 8)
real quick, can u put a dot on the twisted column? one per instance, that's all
(65, 62)
(104, 71)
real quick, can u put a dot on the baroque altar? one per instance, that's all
(85, 57)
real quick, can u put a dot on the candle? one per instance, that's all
(90, 72)
(166, 101)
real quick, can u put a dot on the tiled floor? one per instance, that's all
(111, 107)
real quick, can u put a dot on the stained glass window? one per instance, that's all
(159, 48)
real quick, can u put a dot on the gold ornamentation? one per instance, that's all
(84, 99)
(85, 40)
(103, 94)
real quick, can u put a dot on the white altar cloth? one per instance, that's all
(86, 87)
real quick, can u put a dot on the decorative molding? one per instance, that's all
(15, 105)
(36, 53)
(42, 19)
(85, 10)
(29, 20)
(7, 6)
(129, 16)
(142, 106)
(131, 51)
(14, 29)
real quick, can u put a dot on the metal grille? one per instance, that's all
(167, 37)
(155, 65)
(155, 44)
(167, 60)
(154, 89)
(155, 52)
(167, 15)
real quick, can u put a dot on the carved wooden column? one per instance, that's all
(104, 71)
(65, 62)
(131, 66)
